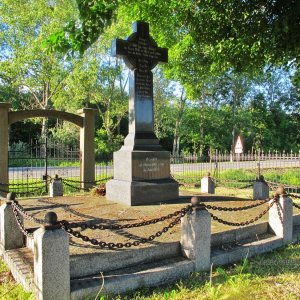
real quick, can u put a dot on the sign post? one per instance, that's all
(238, 148)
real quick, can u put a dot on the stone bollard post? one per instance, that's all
(281, 217)
(56, 187)
(196, 236)
(207, 184)
(51, 261)
(260, 189)
(11, 236)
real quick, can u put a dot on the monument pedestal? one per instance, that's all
(141, 177)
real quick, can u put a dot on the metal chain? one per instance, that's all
(296, 205)
(294, 196)
(272, 183)
(28, 192)
(21, 211)
(279, 212)
(215, 218)
(84, 225)
(24, 183)
(237, 180)
(75, 187)
(19, 222)
(111, 245)
(219, 208)
(79, 181)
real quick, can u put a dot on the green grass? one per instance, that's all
(288, 176)
(70, 188)
(9, 289)
(272, 276)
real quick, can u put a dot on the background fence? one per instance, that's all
(31, 166)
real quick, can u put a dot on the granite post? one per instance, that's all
(260, 189)
(87, 148)
(196, 237)
(141, 166)
(281, 217)
(51, 261)
(4, 110)
(11, 237)
(207, 185)
(56, 187)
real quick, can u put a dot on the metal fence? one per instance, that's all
(31, 166)
(189, 169)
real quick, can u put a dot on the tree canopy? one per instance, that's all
(203, 36)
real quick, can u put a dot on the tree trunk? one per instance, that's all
(178, 122)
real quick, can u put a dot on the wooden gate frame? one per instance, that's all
(85, 120)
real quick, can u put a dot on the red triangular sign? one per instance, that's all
(238, 146)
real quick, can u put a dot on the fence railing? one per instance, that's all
(217, 156)
(188, 169)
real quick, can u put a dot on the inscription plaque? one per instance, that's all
(148, 168)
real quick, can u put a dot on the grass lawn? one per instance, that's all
(271, 276)
(9, 289)
(274, 275)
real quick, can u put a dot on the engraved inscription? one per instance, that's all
(151, 165)
(142, 49)
(143, 84)
(151, 168)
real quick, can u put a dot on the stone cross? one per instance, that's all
(141, 54)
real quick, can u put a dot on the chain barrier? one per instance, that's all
(220, 208)
(29, 217)
(111, 245)
(32, 192)
(74, 187)
(294, 196)
(83, 226)
(296, 205)
(239, 224)
(273, 184)
(20, 223)
(22, 183)
(279, 213)
(79, 181)
(237, 180)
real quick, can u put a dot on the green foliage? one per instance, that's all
(104, 146)
(78, 35)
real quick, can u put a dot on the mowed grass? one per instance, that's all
(9, 289)
(275, 275)
(288, 176)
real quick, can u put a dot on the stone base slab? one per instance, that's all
(141, 192)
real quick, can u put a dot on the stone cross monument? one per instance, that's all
(141, 166)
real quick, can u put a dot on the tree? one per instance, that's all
(99, 81)
(203, 36)
(24, 65)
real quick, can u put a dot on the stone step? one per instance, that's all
(128, 279)
(20, 263)
(93, 263)
(247, 248)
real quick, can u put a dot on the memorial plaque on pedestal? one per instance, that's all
(141, 166)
